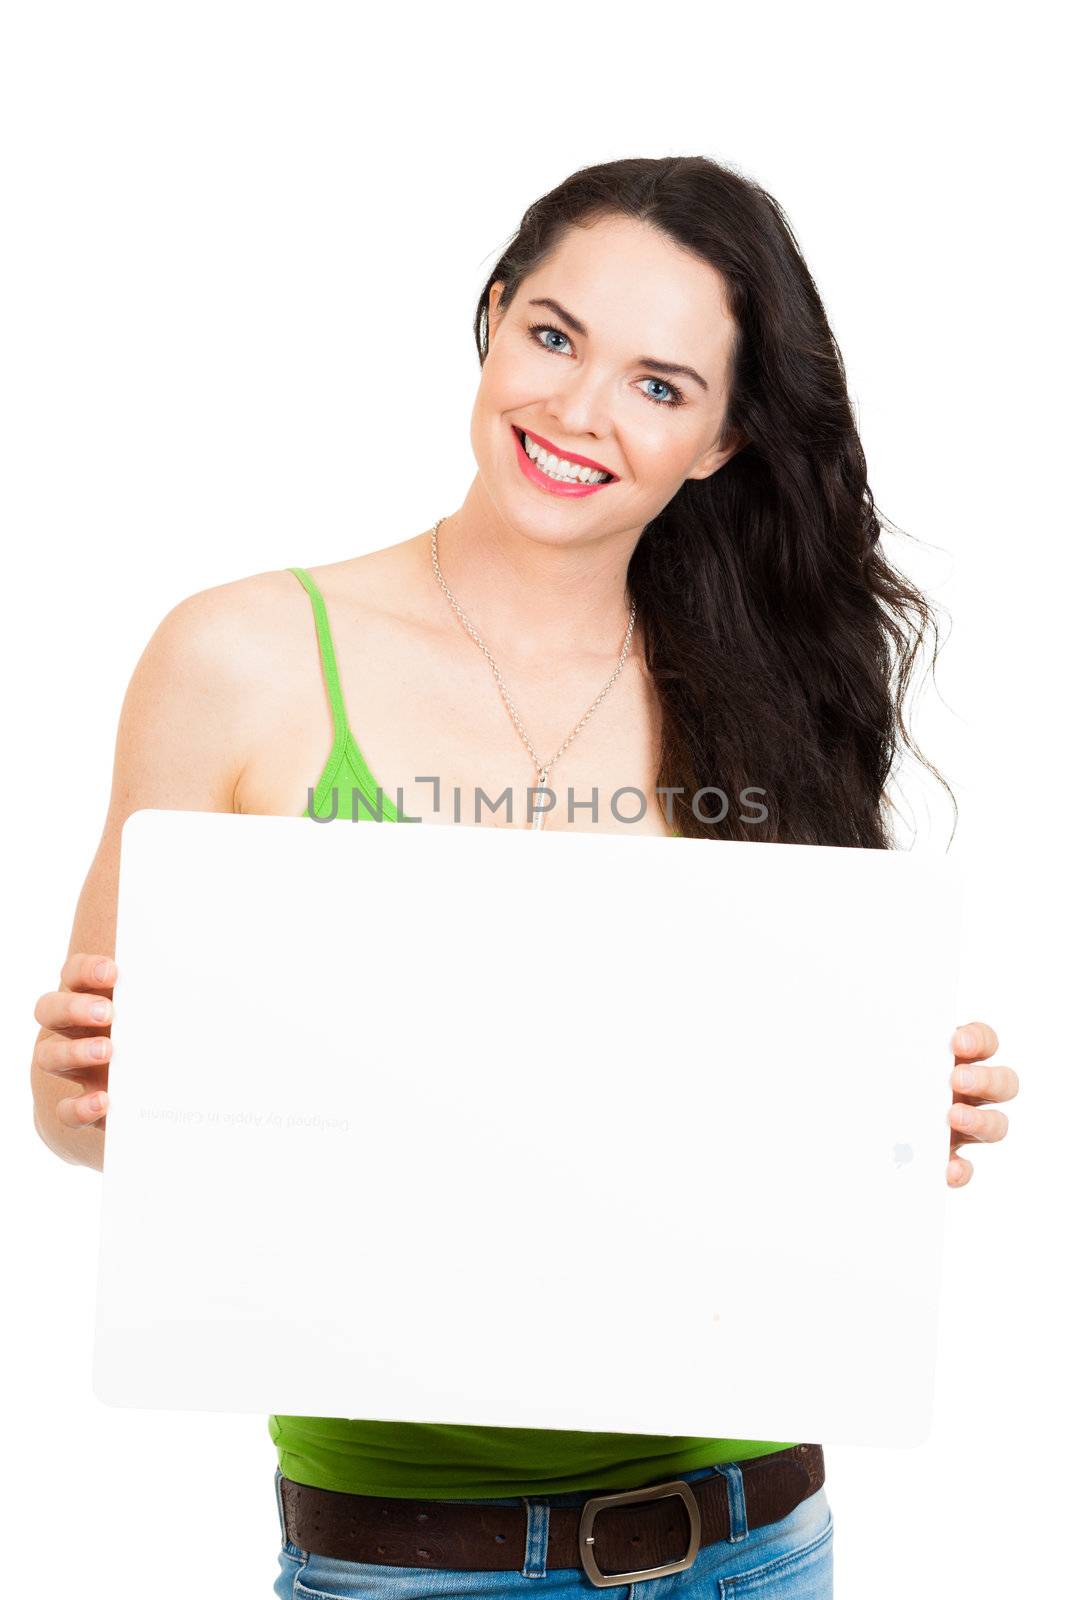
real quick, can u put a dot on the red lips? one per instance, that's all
(567, 455)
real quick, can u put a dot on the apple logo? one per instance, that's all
(902, 1153)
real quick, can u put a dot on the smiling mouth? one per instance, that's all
(581, 462)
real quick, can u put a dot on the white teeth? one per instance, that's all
(561, 469)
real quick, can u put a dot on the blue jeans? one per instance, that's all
(791, 1559)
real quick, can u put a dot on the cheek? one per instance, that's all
(660, 454)
(494, 398)
(511, 376)
(496, 394)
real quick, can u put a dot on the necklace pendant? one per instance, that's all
(539, 817)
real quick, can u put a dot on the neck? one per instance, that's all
(534, 598)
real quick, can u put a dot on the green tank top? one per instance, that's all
(430, 1460)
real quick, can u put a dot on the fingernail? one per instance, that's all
(102, 970)
(965, 1077)
(97, 1102)
(965, 1039)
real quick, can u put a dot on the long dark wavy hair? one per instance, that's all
(779, 638)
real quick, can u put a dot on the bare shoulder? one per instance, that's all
(285, 730)
(236, 624)
(393, 583)
(220, 620)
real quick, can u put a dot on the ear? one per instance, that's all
(719, 454)
(493, 314)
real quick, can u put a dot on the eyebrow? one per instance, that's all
(644, 361)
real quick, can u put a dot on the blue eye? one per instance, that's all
(663, 385)
(536, 329)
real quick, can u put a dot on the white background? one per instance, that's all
(243, 246)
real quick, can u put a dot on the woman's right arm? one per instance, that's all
(181, 745)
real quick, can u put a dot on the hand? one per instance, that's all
(79, 1041)
(972, 1043)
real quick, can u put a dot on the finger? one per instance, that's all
(979, 1127)
(81, 971)
(959, 1171)
(986, 1083)
(72, 1008)
(60, 1054)
(82, 1111)
(974, 1041)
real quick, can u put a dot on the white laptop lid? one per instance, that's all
(527, 1129)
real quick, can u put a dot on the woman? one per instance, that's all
(670, 550)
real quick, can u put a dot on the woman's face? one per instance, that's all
(574, 374)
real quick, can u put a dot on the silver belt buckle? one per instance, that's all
(657, 1491)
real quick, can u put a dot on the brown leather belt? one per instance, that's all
(649, 1522)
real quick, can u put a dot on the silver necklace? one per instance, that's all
(542, 767)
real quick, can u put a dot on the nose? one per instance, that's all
(580, 410)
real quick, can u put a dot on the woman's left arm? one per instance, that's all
(974, 1086)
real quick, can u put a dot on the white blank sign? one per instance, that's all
(510, 1128)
